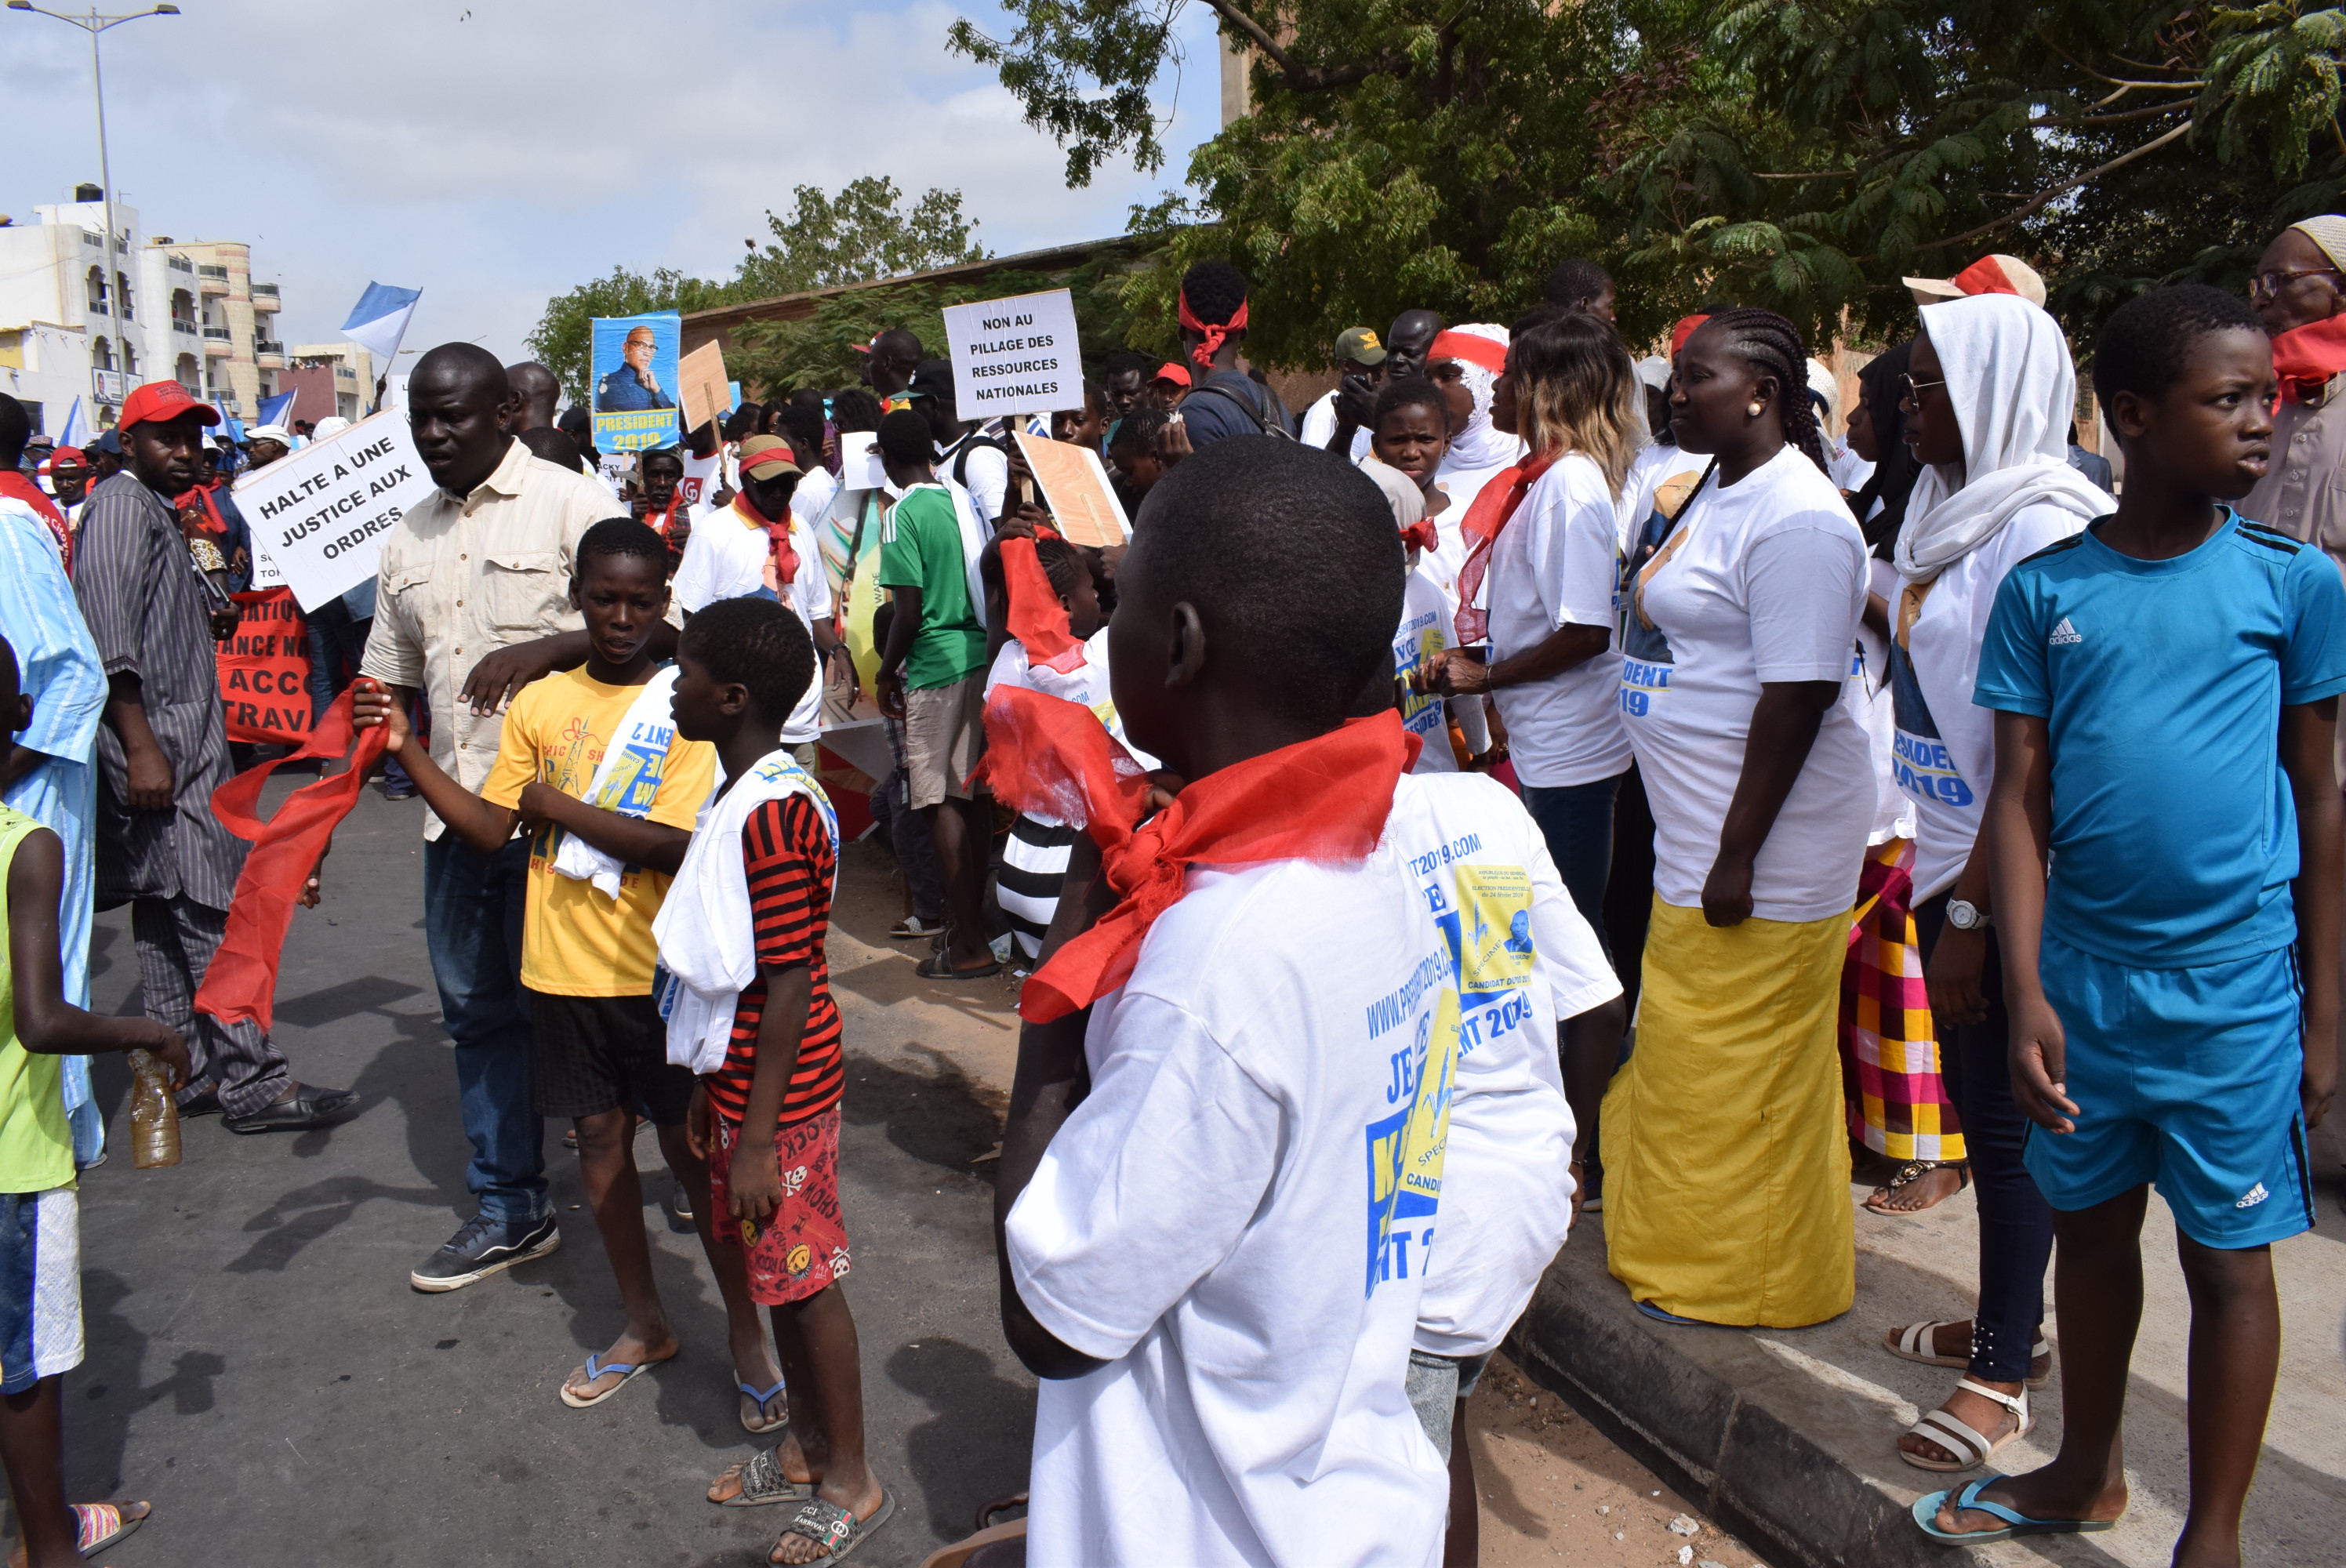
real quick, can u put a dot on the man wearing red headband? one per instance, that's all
(1224, 401)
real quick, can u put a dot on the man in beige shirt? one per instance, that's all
(473, 601)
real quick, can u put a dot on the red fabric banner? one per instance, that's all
(242, 981)
(264, 671)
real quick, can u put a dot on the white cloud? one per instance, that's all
(496, 160)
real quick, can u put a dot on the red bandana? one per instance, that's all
(778, 537)
(1037, 617)
(1421, 534)
(2306, 358)
(200, 498)
(1495, 505)
(16, 487)
(1325, 799)
(241, 982)
(1204, 353)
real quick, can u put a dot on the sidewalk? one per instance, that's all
(1788, 1437)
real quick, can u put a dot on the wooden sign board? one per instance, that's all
(706, 392)
(1076, 489)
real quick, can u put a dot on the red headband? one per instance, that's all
(1214, 334)
(1468, 346)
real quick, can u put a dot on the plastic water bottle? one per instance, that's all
(154, 1115)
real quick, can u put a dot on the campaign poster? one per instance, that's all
(637, 380)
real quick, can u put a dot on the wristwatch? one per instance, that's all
(1964, 915)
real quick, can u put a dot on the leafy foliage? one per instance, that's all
(863, 232)
(1801, 154)
(818, 350)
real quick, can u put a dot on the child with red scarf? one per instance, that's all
(1222, 1166)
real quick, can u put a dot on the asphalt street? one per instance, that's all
(259, 1369)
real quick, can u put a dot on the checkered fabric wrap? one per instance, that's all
(1897, 1104)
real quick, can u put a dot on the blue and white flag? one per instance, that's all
(278, 411)
(76, 429)
(379, 320)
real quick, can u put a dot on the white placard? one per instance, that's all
(318, 516)
(1017, 355)
(859, 467)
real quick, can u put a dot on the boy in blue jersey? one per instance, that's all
(2166, 688)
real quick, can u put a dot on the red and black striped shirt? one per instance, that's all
(786, 848)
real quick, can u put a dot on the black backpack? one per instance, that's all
(1255, 409)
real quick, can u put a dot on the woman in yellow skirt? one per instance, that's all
(1727, 1166)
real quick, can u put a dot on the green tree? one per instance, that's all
(1801, 154)
(861, 233)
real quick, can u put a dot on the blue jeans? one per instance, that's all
(1576, 820)
(2015, 1223)
(472, 906)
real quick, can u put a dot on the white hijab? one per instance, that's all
(2014, 392)
(1480, 445)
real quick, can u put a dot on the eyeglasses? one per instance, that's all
(2266, 285)
(1914, 388)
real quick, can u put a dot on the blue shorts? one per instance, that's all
(40, 1286)
(2186, 1079)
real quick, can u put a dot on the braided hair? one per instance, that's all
(1772, 346)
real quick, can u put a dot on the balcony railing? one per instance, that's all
(267, 348)
(208, 269)
(264, 291)
(180, 325)
(217, 335)
(179, 264)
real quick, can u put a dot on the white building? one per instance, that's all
(190, 313)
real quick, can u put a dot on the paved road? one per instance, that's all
(259, 1369)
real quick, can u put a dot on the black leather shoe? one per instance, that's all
(305, 1108)
(204, 1104)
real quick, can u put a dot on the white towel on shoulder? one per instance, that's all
(625, 781)
(707, 936)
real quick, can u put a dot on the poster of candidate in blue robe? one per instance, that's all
(635, 360)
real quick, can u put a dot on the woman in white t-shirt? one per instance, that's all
(1989, 393)
(1727, 1165)
(1548, 579)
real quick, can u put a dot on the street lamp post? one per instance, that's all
(92, 23)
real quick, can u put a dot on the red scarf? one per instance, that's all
(200, 498)
(1421, 534)
(1325, 799)
(2306, 358)
(241, 982)
(778, 537)
(1204, 353)
(16, 487)
(1494, 505)
(1037, 617)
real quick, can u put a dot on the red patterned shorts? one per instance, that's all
(801, 1246)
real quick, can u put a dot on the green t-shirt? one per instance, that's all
(35, 1146)
(921, 547)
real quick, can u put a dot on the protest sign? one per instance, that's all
(318, 516)
(1076, 489)
(1017, 355)
(635, 370)
(706, 392)
(264, 672)
(859, 460)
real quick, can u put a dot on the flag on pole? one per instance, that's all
(379, 320)
(76, 427)
(278, 411)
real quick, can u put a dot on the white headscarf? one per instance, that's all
(1480, 445)
(2015, 391)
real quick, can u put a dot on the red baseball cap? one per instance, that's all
(1170, 372)
(161, 402)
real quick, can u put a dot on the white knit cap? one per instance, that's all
(2329, 231)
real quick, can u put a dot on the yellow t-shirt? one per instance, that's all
(576, 942)
(35, 1146)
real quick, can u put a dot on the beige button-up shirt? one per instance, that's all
(2303, 493)
(461, 576)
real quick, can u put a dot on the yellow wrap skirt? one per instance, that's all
(1726, 1159)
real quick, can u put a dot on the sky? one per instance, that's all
(496, 154)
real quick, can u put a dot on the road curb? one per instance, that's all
(1693, 1424)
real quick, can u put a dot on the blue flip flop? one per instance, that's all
(761, 1398)
(599, 1368)
(1650, 1310)
(2016, 1523)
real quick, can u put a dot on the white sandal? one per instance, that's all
(1939, 1427)
(1915, 1341)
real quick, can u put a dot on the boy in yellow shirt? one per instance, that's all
(589, 763)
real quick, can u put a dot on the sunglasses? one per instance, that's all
(2266, 285)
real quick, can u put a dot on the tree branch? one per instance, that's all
(1303, 79)
(2114, 81)
(1819, 174)
(2038, 202)
(2148, 112)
